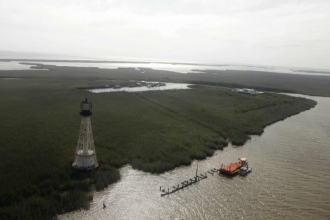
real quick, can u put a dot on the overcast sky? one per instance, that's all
(266, 32)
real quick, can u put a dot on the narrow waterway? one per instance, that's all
(145, 88)
(290, 180)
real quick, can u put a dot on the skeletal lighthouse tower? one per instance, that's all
(85, 157)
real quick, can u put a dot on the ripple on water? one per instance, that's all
(290, 180)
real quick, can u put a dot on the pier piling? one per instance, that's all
(188, 182)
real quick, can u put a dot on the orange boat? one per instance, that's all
(233, 168)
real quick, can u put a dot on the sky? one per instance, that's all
(262, 32)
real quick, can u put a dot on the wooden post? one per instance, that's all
(196, 171)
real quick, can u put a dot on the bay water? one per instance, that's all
(290, 179)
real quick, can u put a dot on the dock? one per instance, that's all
(186, 183)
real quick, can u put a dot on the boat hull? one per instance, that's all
(224, 172)
(233, 168)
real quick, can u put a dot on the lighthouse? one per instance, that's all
(85, 156)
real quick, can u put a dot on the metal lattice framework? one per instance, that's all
(85, 156)
(85, 145)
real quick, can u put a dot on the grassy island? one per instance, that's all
(152, 131)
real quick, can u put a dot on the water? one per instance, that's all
(179, 68)
(13, 65)
(168, 86)
(188, 67)
(290, 180)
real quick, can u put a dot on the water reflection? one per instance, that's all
(13, 65)
(290, 180)
(175, 67)
(148, 87)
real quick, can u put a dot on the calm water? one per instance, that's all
(168, 86)
(13, 65)
(290, 180)
(179, 68)
(154, 64)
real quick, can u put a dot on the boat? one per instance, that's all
(244, 170)
(233, 168)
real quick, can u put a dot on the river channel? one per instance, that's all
(290, 180)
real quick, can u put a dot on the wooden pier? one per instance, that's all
(186, 183)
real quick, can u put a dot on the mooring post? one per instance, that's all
(196, 171)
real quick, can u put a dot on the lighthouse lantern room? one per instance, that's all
(85, 156)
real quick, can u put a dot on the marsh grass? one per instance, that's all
(152, 131)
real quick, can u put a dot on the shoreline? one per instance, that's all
(277, 82)
(109, 195)
(154, 132)
(108, 61)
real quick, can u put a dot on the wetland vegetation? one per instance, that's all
(152, 131)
